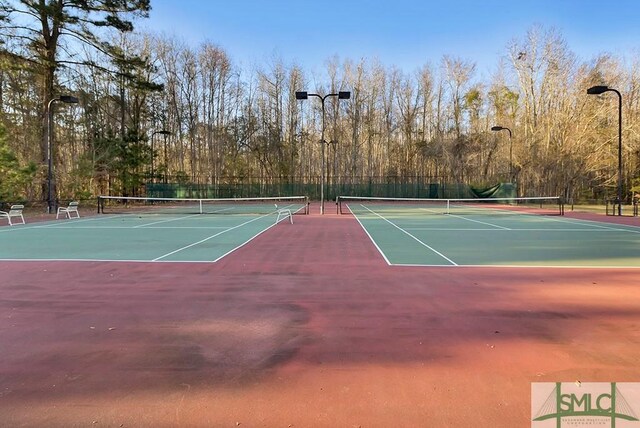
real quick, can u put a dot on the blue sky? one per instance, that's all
(404, 33)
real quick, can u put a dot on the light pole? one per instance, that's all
(342, 95)
(502, 128)
(67, 99)
(334, 177)
(162, 132)
(597, 90)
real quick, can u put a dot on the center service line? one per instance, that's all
(419, 241)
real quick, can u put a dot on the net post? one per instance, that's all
(99, 205)
(200, 203)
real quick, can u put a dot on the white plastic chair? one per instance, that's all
(283, 213)
(71, 210)
(14, 211)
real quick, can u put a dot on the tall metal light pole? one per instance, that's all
(502, 128)
(597, 90)
(162, 132)
(342, 95)
(67, 99)
(333, 179)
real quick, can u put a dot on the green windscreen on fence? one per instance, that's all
(390, 187)
(500, 190)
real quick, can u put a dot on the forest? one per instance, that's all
(156, 113)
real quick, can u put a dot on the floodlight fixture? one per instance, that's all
(601, 89)
(341, 95)
(597, 90)
(67, 99)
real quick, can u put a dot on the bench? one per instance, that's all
(70, 210)
(14, 211)
(283, 213)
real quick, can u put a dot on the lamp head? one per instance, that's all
(497, 128)
(69, 99)
(597, 90)
(163, 132)
(301, 95)
(344, 95)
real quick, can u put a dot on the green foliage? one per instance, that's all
(81, 19)
(80, 184)
(132, 155)
(14, 179)
(504, 100)
(473, 99)
(635, 186)
(124, 160)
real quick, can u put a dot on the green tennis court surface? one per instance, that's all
(161, 238)
(483, 237)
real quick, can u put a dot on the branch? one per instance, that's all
(20, 12)
(25, 37)
(17, 58)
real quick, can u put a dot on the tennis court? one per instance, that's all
(148, 232)
(406, 234)
(306, 325)
(420, 233)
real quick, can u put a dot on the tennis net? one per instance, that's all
(528, 205)
(257, 206)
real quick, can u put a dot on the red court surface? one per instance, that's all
(306, 326)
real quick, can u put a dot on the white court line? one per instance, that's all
(76, 260)
(586, 230)
(478, 221)
(75, 221)
(104, 260)
(592, 223)
(254, 236)
(587, 223)
(174, 219)
(152, 227)
(581, 267)
(47, 224)
(467, 219)
(210, 237)
(416, 239)
(164, 221)
(401, 265)
(182, 218)
(371, 238)
(244, 243)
